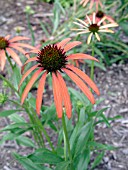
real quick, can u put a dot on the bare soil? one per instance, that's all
(113, 85)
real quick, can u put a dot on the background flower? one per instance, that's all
(92, 3)
(93, 27)
(7, 45)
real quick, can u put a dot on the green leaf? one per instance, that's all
(79, 96)
(16, 76)
(45, 156)
(44, 29)
(74, 136)
(63, 165)
(97, 160)
(83, 136)
(28, 164)
(17, 119)
(83, 160)
(6, 113)
(16, 125)
(100, 146)
(9, 84)
(9, 136)
(25, 141)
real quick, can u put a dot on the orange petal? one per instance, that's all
(65, 95)
(24, 45)
(57, 95)
(71, 45)
(28, 61)
(26, 74)
(18, 38)
(30, 84)
(7, 37)
(81, 56)
(40, 92)
(2, 59)
(14, 56)
(80, 84)
(63, 42)
(33, 51)
(17, 48)
(85, 77)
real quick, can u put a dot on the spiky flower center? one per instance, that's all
(93, 28)
(3, 43)
(99, 14)
(52, 58)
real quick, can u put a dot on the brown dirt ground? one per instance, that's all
(112, 83)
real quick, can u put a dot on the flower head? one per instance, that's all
(92, 3)
(54, 59)
(93, 27)
(7, 45)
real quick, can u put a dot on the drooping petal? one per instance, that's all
(88, 19)
(91, 4)
(65, 95)
(106, 30)
(18, 38)
(40, 92)
(36, 51)
(83, 26)
(24, 45)
(71, 45)
(14, 56)
(108, 25)
(57, 95)
(89, 38)
(7, 37)
(85, 77)
(83, 22)
(28, 61)
(63, 42)
(80, 84)
(81, 56)
(17, 48)
(97, 36)
(26, 74)
(30, 84)
(83, 32)
(102, 20)
(2, 59)
(78, 29)
(94, 18)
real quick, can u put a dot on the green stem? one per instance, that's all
(67, 141)
(36, 132)
(9, 60)
(92, 64)
(31, 30)
(40, 126)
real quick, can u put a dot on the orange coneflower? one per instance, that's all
(7, 45)
(93, 27)
(92, 2)
(53, 59)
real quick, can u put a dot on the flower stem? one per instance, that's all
(40, 126)
(67, 141)
(9, 60)
(92, 64)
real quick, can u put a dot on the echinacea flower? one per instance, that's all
(54, 60)
(7, 45)
(93, 27)
(99, 15)
(92, 2)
